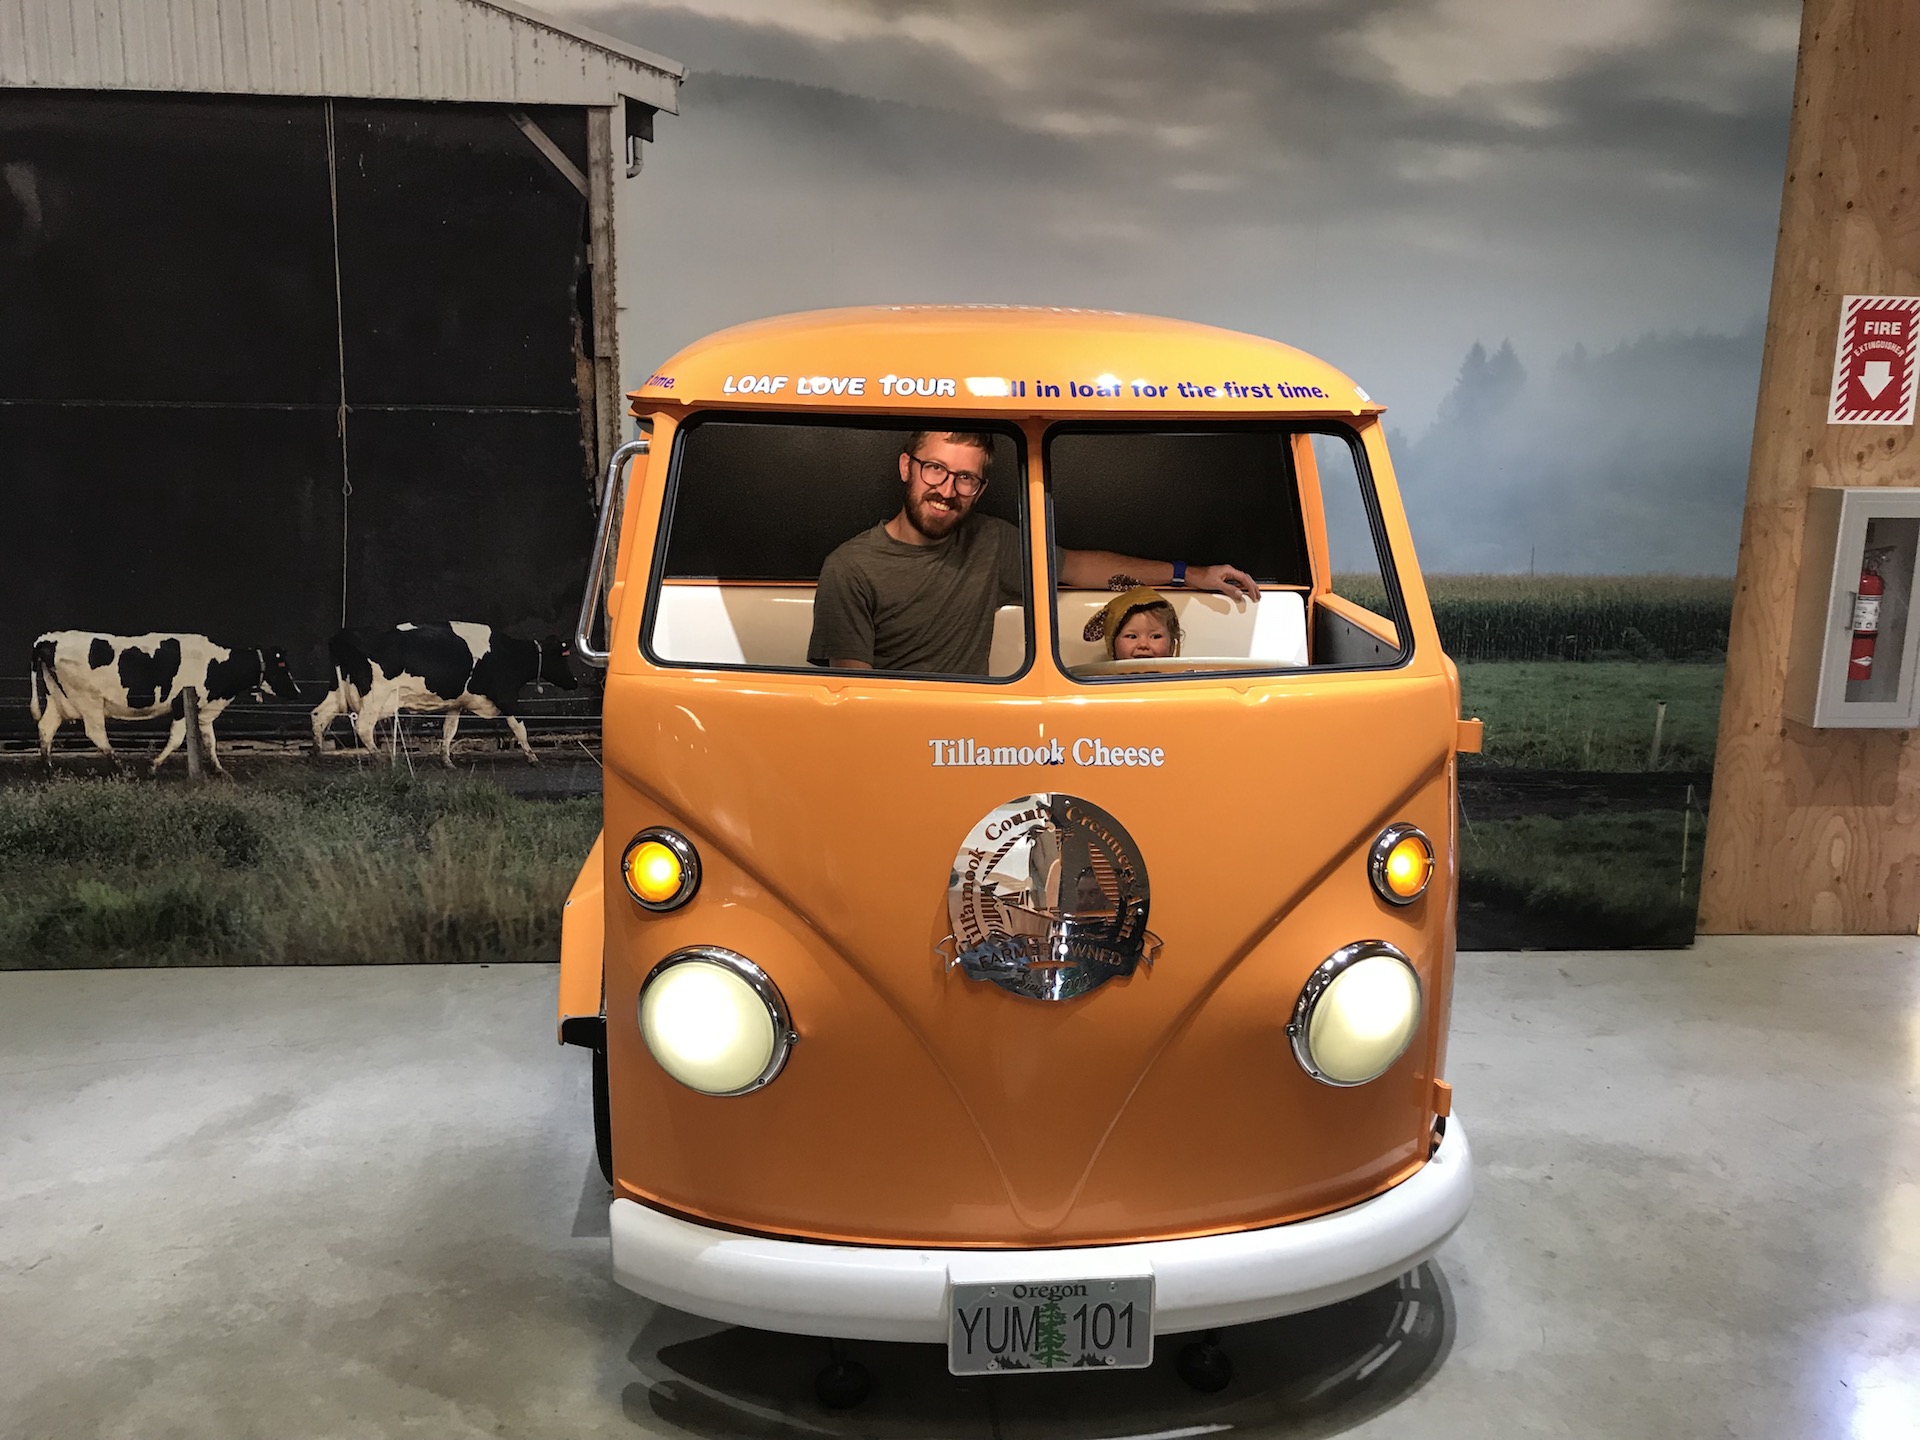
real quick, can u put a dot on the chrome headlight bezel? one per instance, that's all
(1383, 847)
(683, 851)
(1299, 1028)
(757, 980)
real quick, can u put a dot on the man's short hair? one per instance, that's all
(979, 439)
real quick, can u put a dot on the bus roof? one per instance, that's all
(1001, 360)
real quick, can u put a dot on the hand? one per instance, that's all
(1223, 580)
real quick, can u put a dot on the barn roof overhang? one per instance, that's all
(497, 51)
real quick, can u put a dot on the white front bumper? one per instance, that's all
(863, 1292)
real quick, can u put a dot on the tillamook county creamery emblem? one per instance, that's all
(1048, 898)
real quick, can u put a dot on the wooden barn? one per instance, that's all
(313, 312)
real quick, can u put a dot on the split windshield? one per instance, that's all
(903, 547)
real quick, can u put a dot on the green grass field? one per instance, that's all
(1594, 881)
(1569, 671)
(364, 868)
(373, 866)
(1600, 715)
(381, 868)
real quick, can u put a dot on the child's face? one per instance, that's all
(1142, 637)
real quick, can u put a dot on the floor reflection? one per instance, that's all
(1875, 1355)
(592, 1216)
(1302, 1375)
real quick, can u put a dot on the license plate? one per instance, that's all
(1023, 1326)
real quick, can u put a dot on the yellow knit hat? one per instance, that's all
(1113, 619)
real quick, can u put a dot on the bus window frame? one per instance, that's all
(896, 423)
(1318, 584)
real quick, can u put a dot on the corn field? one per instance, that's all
(1572, 617)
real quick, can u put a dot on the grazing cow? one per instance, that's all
(448, 665)
(92, 678)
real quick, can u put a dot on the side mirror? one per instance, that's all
(612, 500)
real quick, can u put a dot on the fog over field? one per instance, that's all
(1383, 182)
(1631, 460)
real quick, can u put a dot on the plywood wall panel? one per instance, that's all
(1818, 831)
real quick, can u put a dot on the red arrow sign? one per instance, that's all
(1874, 368)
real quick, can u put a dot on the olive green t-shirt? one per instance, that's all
(917, 607)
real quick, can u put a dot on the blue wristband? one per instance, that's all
(1180, 572)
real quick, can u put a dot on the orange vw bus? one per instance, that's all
(959, 965)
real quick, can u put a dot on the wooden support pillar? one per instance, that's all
(1817, 832)
(610, 405)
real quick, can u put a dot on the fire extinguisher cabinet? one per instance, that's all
(1856, 644)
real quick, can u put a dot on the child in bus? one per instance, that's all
(1138, 624)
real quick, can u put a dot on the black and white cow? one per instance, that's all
(449, 665)
(93, 678)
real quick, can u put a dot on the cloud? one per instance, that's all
(1444, 48)
(1356, 109)
(1204, 180)
(1421, 161)
(1244, 73)
(1377, 181)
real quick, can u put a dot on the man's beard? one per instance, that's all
(929, 520)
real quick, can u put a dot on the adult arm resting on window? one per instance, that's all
(1093, 569)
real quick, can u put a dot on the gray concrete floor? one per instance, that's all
(361, 1203)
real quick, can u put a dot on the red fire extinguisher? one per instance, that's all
(1866, 624)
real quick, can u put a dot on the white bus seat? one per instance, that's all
(709, 623)
(1009, 650)
(1273, 631)
(714, 624)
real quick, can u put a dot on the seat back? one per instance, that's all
(1212, 626)
(719, 624)
(715, 624)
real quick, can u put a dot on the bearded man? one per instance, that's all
(919, 592)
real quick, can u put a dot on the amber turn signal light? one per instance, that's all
(661, 868)
(1401, 864)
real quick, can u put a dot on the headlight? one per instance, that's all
(1356, 1014)
(714, 1021)
(661, 868)
(1400, 864)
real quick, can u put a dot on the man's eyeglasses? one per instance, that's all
(965, 482)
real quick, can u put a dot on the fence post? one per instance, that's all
(1686, 840)
(190, 700)
(1659, 726)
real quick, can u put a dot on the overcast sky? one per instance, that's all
(1383, 182)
